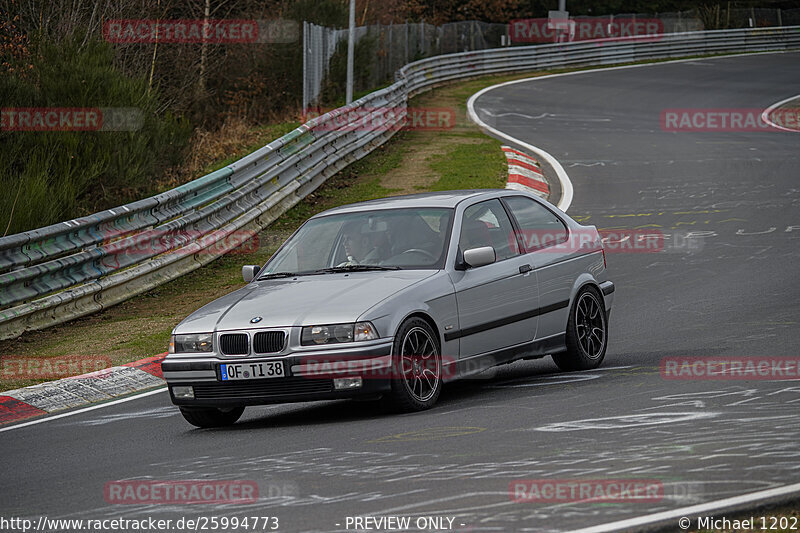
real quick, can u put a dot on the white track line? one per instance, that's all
(566, 185)
(563, 178)
(766, 113)
(85, 409)
(710, 507)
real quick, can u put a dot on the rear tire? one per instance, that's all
(211, 417)
(416, 367)
(587, 333)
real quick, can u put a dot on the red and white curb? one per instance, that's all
(77, 391)
(525, 173)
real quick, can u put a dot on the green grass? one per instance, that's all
(471, 166)
(345, 187)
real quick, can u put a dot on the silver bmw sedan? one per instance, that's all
(390, 299)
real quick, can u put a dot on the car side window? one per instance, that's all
(487, 224)
(540, 227)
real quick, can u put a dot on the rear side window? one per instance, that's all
(540, 227)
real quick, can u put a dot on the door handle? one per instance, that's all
(524, 269)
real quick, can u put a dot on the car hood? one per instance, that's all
(306, 300)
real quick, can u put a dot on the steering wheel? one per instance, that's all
(349, 262)
(419, 251)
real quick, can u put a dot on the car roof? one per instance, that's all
(447, 199)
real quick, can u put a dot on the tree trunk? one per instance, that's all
(201, 82)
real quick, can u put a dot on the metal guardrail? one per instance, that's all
(422, 75)
(59, 272)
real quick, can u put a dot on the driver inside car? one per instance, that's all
(365, 242)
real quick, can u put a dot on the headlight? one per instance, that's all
(338, 333)
(195, 343)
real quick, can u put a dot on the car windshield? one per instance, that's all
(366, 240)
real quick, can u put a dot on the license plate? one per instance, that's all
(261, 370)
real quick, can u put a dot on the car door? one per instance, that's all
(494, 301)
(545, 237)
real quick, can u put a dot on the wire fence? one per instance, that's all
(717, 17)
(673, 22)
(382, 49)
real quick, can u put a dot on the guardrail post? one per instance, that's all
(406, 30)
(305, 68)
(351, 43)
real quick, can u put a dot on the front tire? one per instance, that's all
(587, 333)
(211, 417)
(416, 367)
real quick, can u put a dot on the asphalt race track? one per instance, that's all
(730, 288)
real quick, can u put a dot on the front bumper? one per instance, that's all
(308, 376)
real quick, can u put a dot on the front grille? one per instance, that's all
(260, 389)
(233, 343)
(268, 341)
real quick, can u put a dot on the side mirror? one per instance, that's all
(249, 272)
(478, 257)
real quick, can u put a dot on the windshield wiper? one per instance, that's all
(358, 268)
(331, 270)
(275, 275)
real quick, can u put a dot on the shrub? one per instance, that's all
(46, 176)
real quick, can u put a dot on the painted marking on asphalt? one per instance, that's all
(603, 368)
(524, 173)
(713, 506)
(13, 409)
(768, 111)
(151, 365)
(602, 164)
(430, 434)
(77, 391)
(625, 421)
(554, 380)
(483, 495)
(572, 377)
(166, 411)
(566, 185)
(84, 410)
